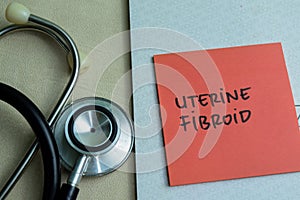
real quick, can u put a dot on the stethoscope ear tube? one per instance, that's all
(66, 42)
(44, 135)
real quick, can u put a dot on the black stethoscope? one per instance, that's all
(90, 136)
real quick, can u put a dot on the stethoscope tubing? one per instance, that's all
(46, 140)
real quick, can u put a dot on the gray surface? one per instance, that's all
(192, 25)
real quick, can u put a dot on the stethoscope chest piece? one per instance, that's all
(97, 129)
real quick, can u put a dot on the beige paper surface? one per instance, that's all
(35, 65)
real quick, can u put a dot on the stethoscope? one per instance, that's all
(90, 136)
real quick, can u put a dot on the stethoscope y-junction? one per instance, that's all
(90, 136)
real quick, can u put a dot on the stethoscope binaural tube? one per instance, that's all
(23, 20)
(44, 135)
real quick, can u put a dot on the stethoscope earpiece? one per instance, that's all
(17, 13)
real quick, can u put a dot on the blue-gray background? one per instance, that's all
(210, 24)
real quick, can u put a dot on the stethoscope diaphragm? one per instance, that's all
(98, 129)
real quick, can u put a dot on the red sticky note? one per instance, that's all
(227, 113)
